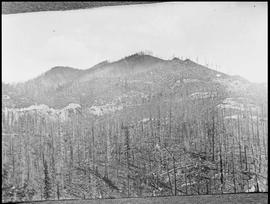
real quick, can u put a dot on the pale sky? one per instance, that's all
(232, 35)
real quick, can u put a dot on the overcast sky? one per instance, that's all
(232, 35)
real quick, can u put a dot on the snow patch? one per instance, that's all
(188, 184)
(231, 103)
(200, 95)
(140, 81)
(233, 85)
(144, 120)
(43, 110)
(6, 97)
(104, 109)
(234, 117)
(190, 80)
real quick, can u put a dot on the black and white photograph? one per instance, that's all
(134, 102)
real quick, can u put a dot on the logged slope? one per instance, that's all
(139, 126)
(63, 85)
(57, 76)
(138, 73)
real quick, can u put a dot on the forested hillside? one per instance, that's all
(139, 126)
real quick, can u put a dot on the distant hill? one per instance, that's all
(138, 72)
(57, 76)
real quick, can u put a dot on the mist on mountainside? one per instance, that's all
(138, 126)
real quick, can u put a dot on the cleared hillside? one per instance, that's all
(137, 127)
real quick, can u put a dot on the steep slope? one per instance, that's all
(128, 65)
(41, 88)
(138, 74)
(57, 76)
(140, 126)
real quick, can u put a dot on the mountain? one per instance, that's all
(57, 76)
(135, 80)
(63, 85)
(106, 81)
(138, 126)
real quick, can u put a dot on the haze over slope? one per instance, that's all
(130, 80)
(139, 126)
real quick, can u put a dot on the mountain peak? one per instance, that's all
(60, 71)
(188, 60)
(57, 75)
(141, 57)
(176, 58)
(57, 69)
(191, 63)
